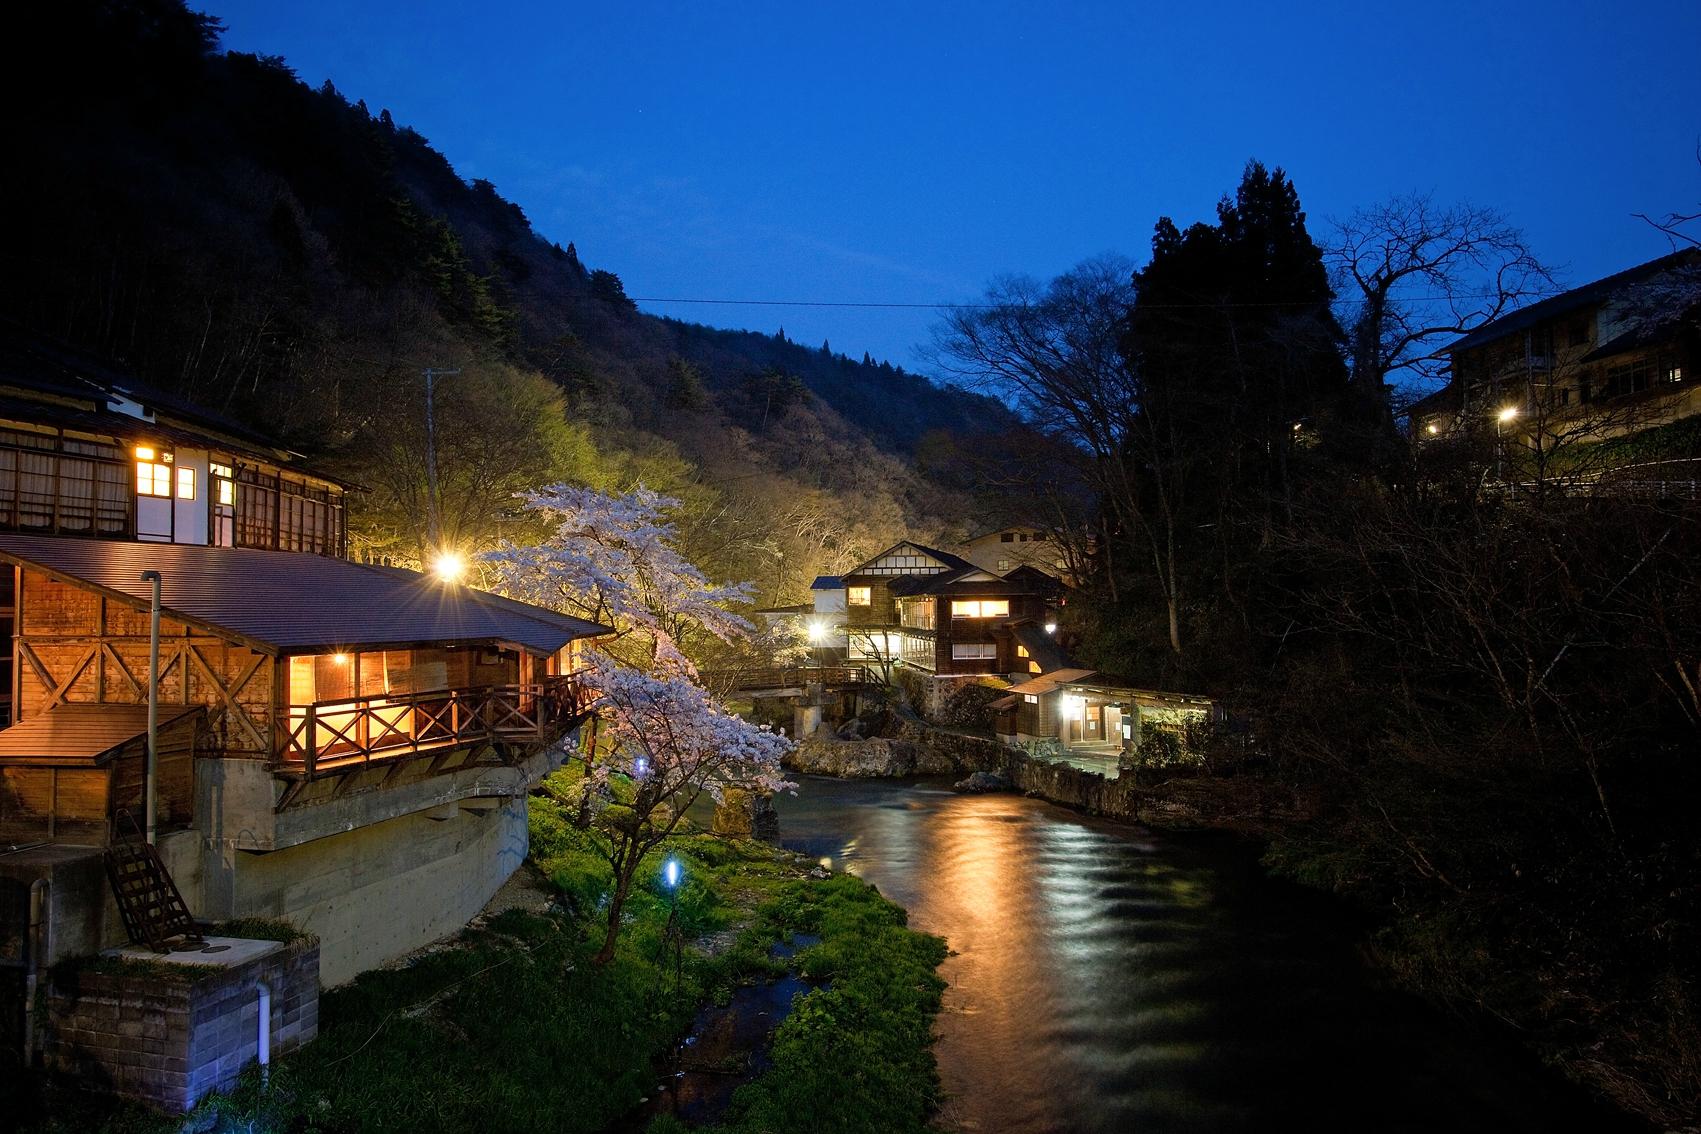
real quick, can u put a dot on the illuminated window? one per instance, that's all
(1030, 698)
(186, 484)
(152, 478)
(974, 651)
(1021, 651)
(980, 608)
(1674, 374)
(1033, 667)
(859, 596)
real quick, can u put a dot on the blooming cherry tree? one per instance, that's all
(613, 560)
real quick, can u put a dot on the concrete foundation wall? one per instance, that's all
(377, 892)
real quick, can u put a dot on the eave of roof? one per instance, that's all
(280, 602)
(1594, 292)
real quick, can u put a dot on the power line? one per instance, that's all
(941, 306)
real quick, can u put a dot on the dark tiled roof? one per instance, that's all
(37, 364)
(953, 562)
(81, 733)
(284, 601)
(826, 583)
(1596, 292)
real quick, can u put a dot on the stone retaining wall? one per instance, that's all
(168, 1033)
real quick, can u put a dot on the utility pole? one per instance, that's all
(431, 375)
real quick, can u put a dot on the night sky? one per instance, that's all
(907, 153)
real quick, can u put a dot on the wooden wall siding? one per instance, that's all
(68, 804)
(82, 803)
(79, 646)
(882, 609)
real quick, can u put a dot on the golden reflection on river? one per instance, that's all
(1105, 979)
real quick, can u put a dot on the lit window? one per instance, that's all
(1030, 698)
(220, 470)
(186, 484)
(980, 608)
(974, 651)
(1021, 651)
(859, 596)
(1674, 374)
(1033, 667)
(227, 491)
(153, 479)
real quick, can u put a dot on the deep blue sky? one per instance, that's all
(909, 152)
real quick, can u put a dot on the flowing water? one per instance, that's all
(1106, 978)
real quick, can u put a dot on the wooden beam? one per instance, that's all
(229, 693)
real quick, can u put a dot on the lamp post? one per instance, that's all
(1505, 417)
(672, 874)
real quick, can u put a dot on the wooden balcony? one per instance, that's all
(334, 736)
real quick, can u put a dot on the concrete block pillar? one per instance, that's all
(805, 720)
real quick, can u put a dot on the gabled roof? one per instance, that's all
(953, 562)
(290, 602)
(1590, 293)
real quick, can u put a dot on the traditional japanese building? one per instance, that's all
(343, 746)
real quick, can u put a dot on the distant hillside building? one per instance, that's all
(1615, 356)
(1005, 549)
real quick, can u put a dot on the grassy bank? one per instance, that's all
(511, 1028)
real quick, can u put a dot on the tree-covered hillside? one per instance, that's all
(295, 259)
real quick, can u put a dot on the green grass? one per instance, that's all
(513, 1028)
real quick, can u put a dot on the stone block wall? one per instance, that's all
(169, 1033)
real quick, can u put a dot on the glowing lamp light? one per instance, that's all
(340, 659)
(144, 453)
(819, 631)
(672, 872)
(1051, 627)
(1508, 414)
(641, 767)
(449, 566)
(1433, 428)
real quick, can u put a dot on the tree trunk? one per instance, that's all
(616, 904)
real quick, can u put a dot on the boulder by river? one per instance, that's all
(825, 755)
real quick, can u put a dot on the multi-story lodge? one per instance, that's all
(344, 746)
(1612, 357)
(1003, 550)
(935, 612)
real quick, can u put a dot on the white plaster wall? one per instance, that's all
(192, 514)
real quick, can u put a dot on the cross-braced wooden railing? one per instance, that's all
(358, 730)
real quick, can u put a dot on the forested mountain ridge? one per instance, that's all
(291, 258)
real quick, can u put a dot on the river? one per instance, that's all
(1108, 978)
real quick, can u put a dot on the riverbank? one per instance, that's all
(510, 1027)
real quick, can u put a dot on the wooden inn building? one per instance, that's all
(344, 746)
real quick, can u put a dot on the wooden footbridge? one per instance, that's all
(790, 681)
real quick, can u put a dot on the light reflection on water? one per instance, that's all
(1103, 978)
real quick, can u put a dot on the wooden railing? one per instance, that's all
(359, 730)
(786, 677)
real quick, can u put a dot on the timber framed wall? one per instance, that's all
(77, 645)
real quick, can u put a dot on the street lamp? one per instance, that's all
(672, 874)
(1505, 417)
(449, 566)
